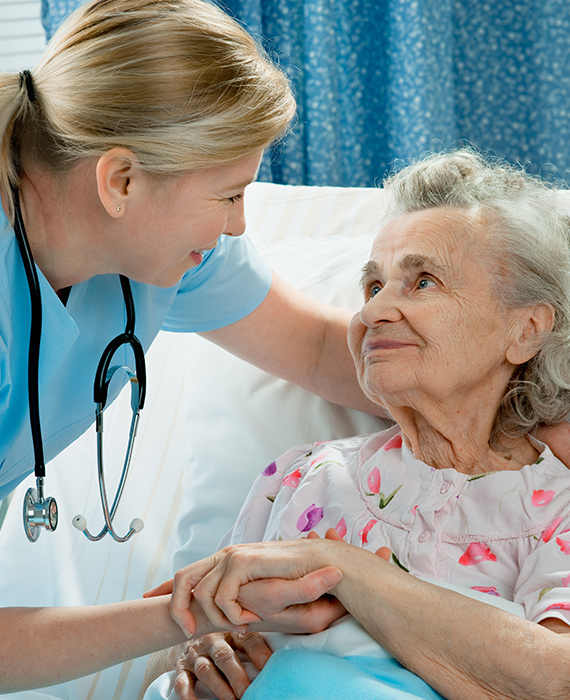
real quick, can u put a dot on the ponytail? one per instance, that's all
(16, 97)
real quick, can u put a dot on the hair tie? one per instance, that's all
(26, 79)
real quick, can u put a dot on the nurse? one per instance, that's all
(128, 150)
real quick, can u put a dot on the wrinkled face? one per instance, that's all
(431, 325)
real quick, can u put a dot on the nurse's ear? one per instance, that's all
(529, 330)
(118, 172)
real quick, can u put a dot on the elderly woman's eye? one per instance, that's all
(425, 283)
(373, 290)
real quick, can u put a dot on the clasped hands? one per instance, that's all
(224, 601)
(275, 586)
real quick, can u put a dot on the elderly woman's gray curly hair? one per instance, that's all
(528, 229)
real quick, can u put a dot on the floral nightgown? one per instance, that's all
(503, 533)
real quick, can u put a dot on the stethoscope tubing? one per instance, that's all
(38, 511)
(102, 378)
(35, 336)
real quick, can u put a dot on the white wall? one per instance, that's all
(22, 37)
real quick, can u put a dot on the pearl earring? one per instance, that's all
(118, 207)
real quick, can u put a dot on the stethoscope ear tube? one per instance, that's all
(38, 511)
(103, 376)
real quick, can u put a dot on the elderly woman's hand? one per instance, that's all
(331, 534)
(293, 572)
(214, 661)
(291, 603)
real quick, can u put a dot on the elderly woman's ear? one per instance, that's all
(528, 332)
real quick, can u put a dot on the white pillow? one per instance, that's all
(279, 212)
(239, 418)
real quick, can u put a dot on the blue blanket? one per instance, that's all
(302, 674)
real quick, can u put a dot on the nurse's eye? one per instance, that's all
(425, 283)
(236, 198)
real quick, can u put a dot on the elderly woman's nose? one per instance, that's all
(379, 309)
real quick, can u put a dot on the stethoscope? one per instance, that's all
(41, 511)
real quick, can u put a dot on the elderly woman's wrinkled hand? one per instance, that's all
(284, 597)
(331, 534)
(294, 573)
(214, 661)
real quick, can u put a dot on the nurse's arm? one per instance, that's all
(298, 338)
(43, 646)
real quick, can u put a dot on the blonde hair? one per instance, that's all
(177, 82)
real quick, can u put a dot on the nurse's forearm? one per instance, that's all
(334, 377)
(299, 339)
(44, 646)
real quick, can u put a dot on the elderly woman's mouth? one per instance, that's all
(370, 346)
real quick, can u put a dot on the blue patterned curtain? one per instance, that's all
(381, 81)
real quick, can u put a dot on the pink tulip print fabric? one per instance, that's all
(503, 533)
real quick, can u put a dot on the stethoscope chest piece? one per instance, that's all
(39, 513)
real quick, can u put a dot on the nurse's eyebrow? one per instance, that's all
(240, 185)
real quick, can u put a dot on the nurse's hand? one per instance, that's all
(214, 660)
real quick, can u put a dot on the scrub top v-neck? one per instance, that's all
(230, 283)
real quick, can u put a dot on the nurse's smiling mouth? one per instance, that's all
(198, 254)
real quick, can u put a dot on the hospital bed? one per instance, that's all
(211, 423)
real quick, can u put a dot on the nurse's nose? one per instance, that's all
(382, 307)
(236, 223)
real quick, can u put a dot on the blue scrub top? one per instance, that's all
(232, 280)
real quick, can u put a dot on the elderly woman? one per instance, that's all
(464, 337)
